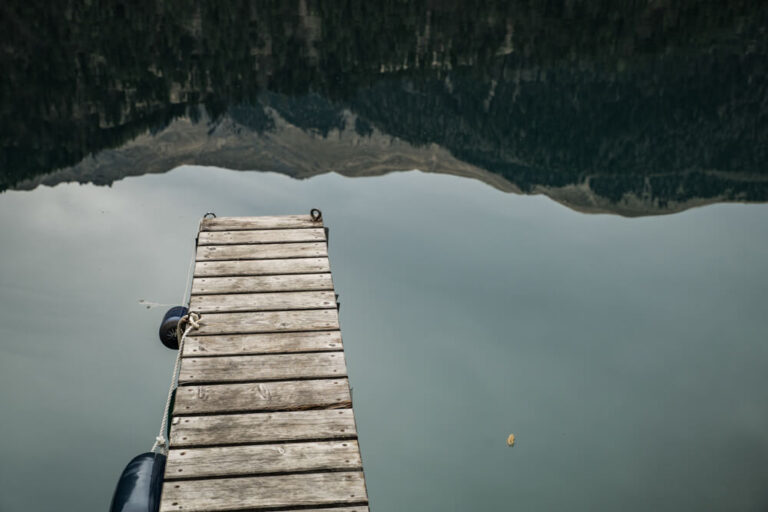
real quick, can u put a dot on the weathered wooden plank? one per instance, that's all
(269, 321)
(263, 459)
(242, 344)
(262, 368)
(262, 427)
(261, 267)
(260, 252)
(262, 396)
(245, 284)
(246, 493)
(272, 301)
(264, 236)
(362, 508)
(274, 222)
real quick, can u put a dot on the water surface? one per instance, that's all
(628, 356)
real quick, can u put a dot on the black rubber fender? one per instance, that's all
(167, 330)
(140, 485)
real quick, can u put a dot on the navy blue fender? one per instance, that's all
(140, 485)
(168, 326)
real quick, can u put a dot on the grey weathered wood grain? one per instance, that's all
(272, 301)
(266, 222)
(360, 508)
(263, 251)
(262, 368)
(264, 236)
(261, 267)
(262, 427)
(241, 344)
(262, 396)
(245, 284)
(262, 459)
(247, 493)
(269, 321)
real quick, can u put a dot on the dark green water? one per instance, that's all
(525, 282)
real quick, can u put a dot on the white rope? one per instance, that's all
(193, 321)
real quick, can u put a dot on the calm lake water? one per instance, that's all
(545, 220)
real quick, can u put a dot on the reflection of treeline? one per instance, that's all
(679, 187)
(568, 125)
(539, 92)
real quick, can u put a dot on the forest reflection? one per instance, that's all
(631, 109)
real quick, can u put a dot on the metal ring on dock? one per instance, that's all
(316, 215)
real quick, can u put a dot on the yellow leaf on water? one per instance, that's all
(511, 440)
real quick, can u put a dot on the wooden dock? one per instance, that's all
(262, 418)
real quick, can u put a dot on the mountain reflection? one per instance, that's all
(632, 109)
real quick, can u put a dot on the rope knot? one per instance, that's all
(159, 446)
(186, 323)
(194, 320)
